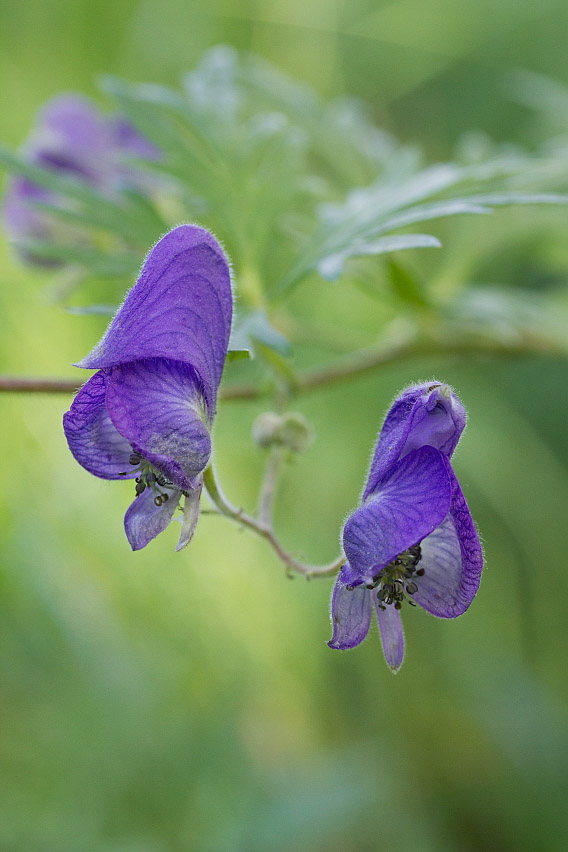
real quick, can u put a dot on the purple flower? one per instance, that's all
(147, 412)
(71, 136)
(413, 538)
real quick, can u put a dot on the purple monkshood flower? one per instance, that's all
(71, 136)
(412, 538)
(148, 411)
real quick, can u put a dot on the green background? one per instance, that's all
(156, 702)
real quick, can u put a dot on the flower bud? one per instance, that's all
(296, 433)
(266, 429)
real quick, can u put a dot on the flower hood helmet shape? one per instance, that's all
(148, 411)
(413, 538)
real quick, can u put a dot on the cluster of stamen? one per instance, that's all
(149, 477)
(396, 580)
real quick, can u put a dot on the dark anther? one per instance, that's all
(398, 587)
(158, 501)
(411, 603)
(140, 487)
(161, 480)
(382, 594)
(420, 572)
(150, 477)
(388, 588)
(397, 605)
(135, 458)
(411, 588)
(370, 586)
(123, 473)
(165, 497)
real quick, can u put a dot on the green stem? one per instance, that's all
(264, 530)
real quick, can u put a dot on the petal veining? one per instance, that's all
(427, 414)
(158, 406)
(179, 309)
(144, 520)
(452, 560)
(92, 437)
(410, 503)
(392, 635)
(351, 611)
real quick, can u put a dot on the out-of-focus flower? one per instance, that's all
(72, 137)
(413, 538)
(148, 411)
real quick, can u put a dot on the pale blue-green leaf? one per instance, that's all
(255, 327)
(86, 310)
(331, 267)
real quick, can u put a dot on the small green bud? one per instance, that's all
(296, 433)
(266, 429)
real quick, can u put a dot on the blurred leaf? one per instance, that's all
(86, 310)
(331, 266)
(96, 261)
(406, 285)
(253, 328)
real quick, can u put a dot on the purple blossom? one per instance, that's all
(71, 136)
(148, 411)
(413, 538)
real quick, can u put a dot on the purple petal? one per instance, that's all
(452, 560)
(128, 140)
(392, 635)
(429, 414)
(179, 309)
(144, 520)
(190, 515)
(72, 135)
(158, 406)
(350, 615)
(91, 435)
(410, 503)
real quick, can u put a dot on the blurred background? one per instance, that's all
(162, 702)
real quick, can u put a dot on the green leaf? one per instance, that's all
(331, 266)
(238, 354)
(255, 328)
(94, 260)
(87, 310)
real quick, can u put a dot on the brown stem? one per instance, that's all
(359, 363)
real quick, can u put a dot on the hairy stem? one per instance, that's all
(264, 530)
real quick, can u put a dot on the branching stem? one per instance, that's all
(264, 530)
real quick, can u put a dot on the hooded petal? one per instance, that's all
(190, 515)
(158, 406)
(180, 309)
(392, 636)
(429, 414)
(92, 437)
(144, 520)
(410, 503)
(350, 614)
(452, 560)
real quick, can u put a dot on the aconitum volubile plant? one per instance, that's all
(239, 188)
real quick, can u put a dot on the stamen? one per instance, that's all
(158, 501)
(135, 458)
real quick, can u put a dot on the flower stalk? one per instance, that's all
(264, 530)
